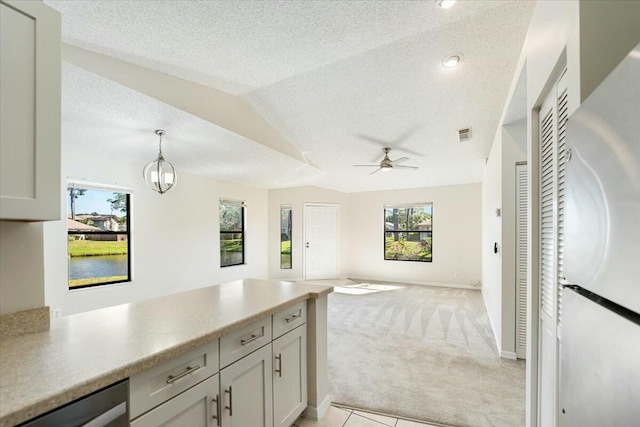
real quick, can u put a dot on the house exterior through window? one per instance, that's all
(98, 235)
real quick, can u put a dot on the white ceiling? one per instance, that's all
(324, 73)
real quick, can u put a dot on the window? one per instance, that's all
(285, 236)
(98, 239)
(231, 232)
(408, 232)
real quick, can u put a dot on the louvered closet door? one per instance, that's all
(553, 116)
(561, 89)
(521, 261)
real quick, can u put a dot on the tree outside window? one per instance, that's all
(231, 232)
(408, 232)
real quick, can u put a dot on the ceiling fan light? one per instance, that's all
(386, 168)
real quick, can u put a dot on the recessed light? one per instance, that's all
(452, 60)
(445, 4)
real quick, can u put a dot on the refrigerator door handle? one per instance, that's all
(566, 284)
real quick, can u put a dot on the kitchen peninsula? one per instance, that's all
(85, 352)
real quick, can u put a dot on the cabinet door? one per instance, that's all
(289, 376)
(30, 81)
(246, 390)
(196, 407)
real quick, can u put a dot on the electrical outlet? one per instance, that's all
(56, 313)
(456, 275)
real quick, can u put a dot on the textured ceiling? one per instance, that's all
(324, 73)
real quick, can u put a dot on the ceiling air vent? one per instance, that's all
(464, 135)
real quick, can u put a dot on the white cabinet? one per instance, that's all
(196, 407)
(289, 376)
(30, 98)
(246, 391)
(166, 380)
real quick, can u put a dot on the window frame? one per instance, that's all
(242, 205)
(385, 231)
(106, 188)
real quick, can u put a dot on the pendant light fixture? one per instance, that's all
(160, 175)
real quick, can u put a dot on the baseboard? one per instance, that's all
(318, 413)
(508, 355)
(493, 329)
(441, 285)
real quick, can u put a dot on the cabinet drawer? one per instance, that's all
(160, 383)
(244, 341)
(289, 319)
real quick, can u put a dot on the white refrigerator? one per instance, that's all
(600, 327)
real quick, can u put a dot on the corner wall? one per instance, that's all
(175, 236)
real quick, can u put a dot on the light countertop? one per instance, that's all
(85, 352)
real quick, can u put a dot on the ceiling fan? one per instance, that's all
(387, 164)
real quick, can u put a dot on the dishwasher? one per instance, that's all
(103, 408)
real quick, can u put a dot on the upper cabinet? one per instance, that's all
(30, 81)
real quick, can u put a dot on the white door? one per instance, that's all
(246, 391)
(321, 242)
(289, 376)
(553, 117)
(521, 260)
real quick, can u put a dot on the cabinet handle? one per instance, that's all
(293, 317)
(230, 407)
(216, 417)
(190, 369)
(253, 338)
(279, 359)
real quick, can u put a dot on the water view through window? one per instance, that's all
(98, 237)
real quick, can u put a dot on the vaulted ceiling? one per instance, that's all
(332, 77)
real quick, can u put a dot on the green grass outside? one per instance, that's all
(231, 245)
(285, 254)
(407, 250)
(94, 280)
(79, 248)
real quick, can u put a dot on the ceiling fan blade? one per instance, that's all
(400, 160)
(376, 171)
(405, 167)
(378, 141)
(366, 166)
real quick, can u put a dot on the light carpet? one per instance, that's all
(421, 352)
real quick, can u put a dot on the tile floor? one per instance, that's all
(345, 417)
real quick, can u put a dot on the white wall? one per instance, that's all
(21, 266)
(456, 236)
(297, 197)
(175, 236)
(492, 233)
(608, 31)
